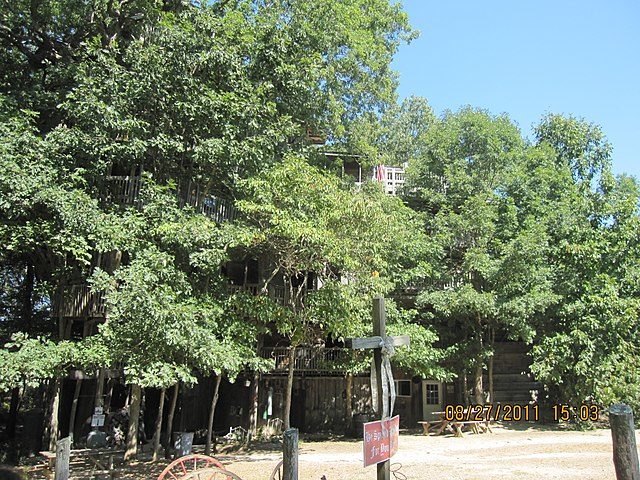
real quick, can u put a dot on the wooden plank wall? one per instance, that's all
(324, 400)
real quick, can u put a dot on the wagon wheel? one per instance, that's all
(212, 473)
(277, 472)
(183, 466)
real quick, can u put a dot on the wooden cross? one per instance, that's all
(377, 342)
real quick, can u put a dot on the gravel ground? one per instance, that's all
(510, 452)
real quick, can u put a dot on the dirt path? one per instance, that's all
(505, 454)
(532, 453)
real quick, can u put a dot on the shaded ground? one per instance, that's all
(516, 451)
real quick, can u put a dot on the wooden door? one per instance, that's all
(431, 398)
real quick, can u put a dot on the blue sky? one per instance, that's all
(526, 58)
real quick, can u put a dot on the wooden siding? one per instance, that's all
(79, 301)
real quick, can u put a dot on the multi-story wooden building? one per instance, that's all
(323, 396)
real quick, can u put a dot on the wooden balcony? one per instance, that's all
(217, 209)
(251, 288)
(308, 360)
(125, 190)
(78, 301)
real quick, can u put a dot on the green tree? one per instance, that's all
(588, 343)
(491, 275)
(307, 225)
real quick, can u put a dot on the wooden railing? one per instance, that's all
(125, 190)
(448, 282)
(282, 296)
(308, 359)
(251, 288)
(79, 301)
(217, 209)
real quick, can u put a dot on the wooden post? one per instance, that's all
(290, 455)
(380, 330)
(63, 451)
(625, 453)
(377, 343)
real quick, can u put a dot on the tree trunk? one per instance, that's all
(53, 419)
(478, 397)
(134, 415)
(289, 392)
(107, 400)
(27, 301)
(74, 409)
(255, 385)
(158, 429)
(253, 412)
(478, 393)
(465, 389)
(98, 400)
(14, 408)
(349, 402)
(212, 411)
(169, 429)
(492, 341)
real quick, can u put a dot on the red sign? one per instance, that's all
(380, 440)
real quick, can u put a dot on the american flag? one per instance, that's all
(378, 173)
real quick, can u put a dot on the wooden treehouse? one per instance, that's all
(79, 310)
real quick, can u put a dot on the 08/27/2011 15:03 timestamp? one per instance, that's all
(507, 412)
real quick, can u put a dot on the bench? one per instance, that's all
(94, 455)
(428, 425)
(475, 425)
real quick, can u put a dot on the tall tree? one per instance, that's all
(310, 227)
(588, 343)
(491, 275)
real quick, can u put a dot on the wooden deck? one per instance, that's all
(308, 360)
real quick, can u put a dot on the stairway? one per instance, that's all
(512, 378)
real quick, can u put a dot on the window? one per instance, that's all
(403, 388)
(433, 394)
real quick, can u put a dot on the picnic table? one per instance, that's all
(102, 459)
(441, 423)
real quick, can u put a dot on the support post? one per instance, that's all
(625, 453)
(63, 451)
(290, 455)
(380, 330)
